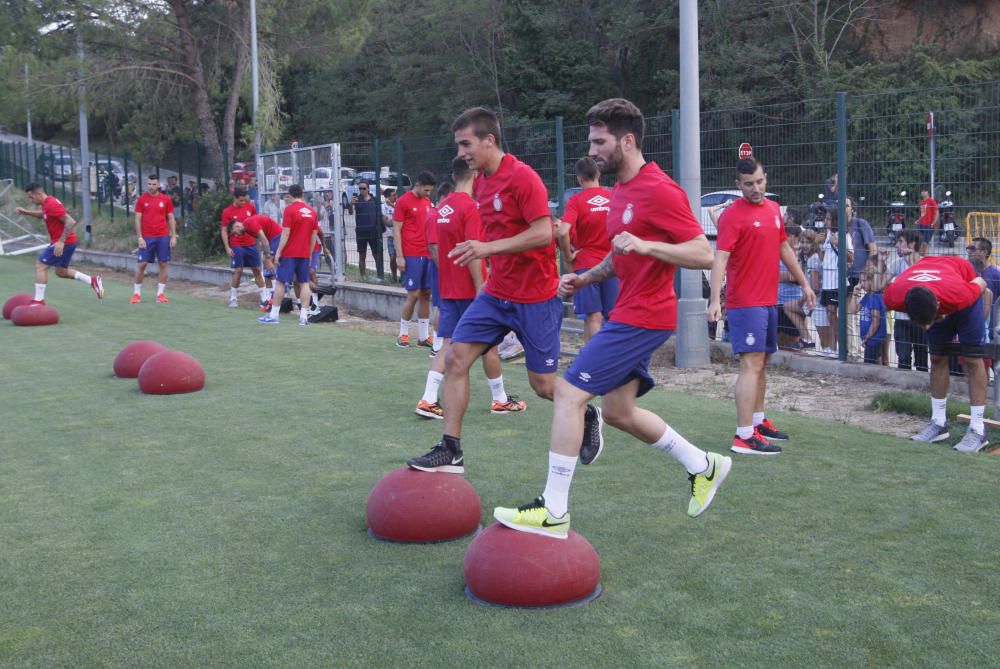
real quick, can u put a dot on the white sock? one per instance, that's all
(233, 293)
(556, 492)
(694, 459)
(404, 327)
(758, 417)
(268, 293)
(80, 276)
(939, 408)
(497, 389)
(40, 291)
(434, 380)
(438, 343)
(315, 300)
(744, 432)
(303, 316)
(160, 287)
(137, 288)
(263, 294)
(275, 311)
(976, 423)
(423, 328)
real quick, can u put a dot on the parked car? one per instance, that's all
(243, 172)
(709, 200)
(278, 179)
(387, 180)
(320, 179)
(62, 167)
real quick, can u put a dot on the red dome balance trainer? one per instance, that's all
(171, 372)
(422, 507)
(34, 314)
(13, 302)
(129, 360)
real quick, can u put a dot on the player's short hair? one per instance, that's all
(482, 121)
(239, 192)
(921, 305)
(445, 189)
(295, 190)
(33, 187)
(460, 170)
(426, 178)
(619, 116)
(153, 177)
(230, 225)
(747, 166)
(985, 243)
(586, 168)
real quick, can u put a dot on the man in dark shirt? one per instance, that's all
(366, 226)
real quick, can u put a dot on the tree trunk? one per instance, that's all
(242, 39)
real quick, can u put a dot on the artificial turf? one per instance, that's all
(227, 527)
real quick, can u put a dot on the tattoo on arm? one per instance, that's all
(602, 271)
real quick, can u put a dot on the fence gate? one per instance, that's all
(15, 239)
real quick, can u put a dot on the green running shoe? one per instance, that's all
(534, 518)
(704, 486)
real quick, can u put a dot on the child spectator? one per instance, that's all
(870, 307)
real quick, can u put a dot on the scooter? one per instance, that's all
(946, 217)
(896, 217)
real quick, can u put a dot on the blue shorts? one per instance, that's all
(451, 313)
(432, 273)
(614, 356)
(245, 256)
(416, 276)
(157, 250)
(293, 269)
(273, 244)
(595, 297)
(753, 329)
(314, 260)
(49, 257)
(488, 320)
(967, 323)
(391, 246)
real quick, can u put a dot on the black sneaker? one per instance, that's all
(440, 459)
(755, 445)
(593, 435)
(770, 432)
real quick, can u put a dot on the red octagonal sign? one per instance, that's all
(745, 150)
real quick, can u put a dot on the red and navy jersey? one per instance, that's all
(587, 214)
(457, 221)
(239, 213)
(154, 210)
(752, 234)
(411, 212)
(53, 211)
(301, 220)
(652, 207)
(260, 223)
(947, 277)
(509, 200)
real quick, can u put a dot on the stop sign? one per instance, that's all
(745, 150)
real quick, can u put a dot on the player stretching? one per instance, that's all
(458, 220)
(300, 228)
(652, 232)
(241, 247)
(272, 233)
(751, 240)
(154, 212)
(59, 253)
(520, 292)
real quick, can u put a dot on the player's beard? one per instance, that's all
(611, 164)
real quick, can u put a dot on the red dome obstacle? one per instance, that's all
(422, 507)
(129, 360)
(34, 314)
(171, 372)
(13, 302)
(504, 567)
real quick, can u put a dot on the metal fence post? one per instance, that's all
(111, 188)
(399, 166)
(380, 260)
(843, 228)
(128, 196)
(560, 164)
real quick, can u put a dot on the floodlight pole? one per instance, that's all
(255, 75)
(84, 143)
(692, 330)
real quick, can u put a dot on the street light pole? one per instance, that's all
(255, 73)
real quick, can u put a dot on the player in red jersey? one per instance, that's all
(267, 231)
(751, 241)
(430, 235)
(413, 258)
(652, 232)
(583, 239)
(945, 297)
(58, 254)
(156, 231)
(241, 247)
(298, 237)
(458, 220)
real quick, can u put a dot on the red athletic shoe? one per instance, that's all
(427, 343)
(36, 303)
(402, 341)
(162, 299)
(428, 410)
(97, 283)
(135, 299)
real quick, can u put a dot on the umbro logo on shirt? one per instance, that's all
(924, 277)
(446, 211)
(306, 211)
(598, 201)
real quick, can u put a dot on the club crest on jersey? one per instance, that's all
(756, 224)
(627, 215)
(161, 204)
(750, 340)
(924, 277)
(446, 211)
(497, 203)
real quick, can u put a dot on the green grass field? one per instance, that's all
(226, 528)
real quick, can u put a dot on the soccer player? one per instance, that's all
(652, 232)
(430, 234)
(59, 253)
(241, 247)
(298, 236)
(268, 232)
(751, 242)
(583, 239)
(412, 258)
(156, 231)
(520, 291)
(943, 296)
(458, 220)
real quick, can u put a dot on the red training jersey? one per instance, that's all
(241, 214)
(411, 212)
(652, 207)
(430, 227)
(587, 214)
(928, 210)
(154, 210)
(258, 223)
(752, 233)
(509, 200)
(947, 277)
(301, 220)
(53, 211)
(457, 221)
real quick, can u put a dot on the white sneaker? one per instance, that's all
(233, 303)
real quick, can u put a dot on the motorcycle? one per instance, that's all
(896, 217)
(946, 217)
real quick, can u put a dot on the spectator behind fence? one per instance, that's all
(928, 215)
(981, 254)
(830, 298)
(366, 213)
(814, 270)
(790, 331)
(274, 207)
(870, 308)
(388, 208)
(795, 309)
(910, 340)
(174, 191)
